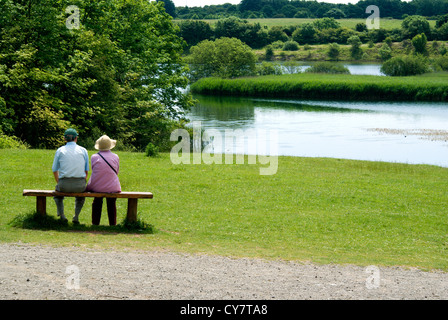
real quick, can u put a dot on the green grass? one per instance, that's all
(431, 87)
(313, 209)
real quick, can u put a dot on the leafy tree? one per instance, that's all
(170, 8)
(289, 10)
(224, 57)
(233, 27)
(355, 49)
(276, 33)
(333, 51)
(414, 25)
(121, 73)
(326, 23)
(385, 52)
(250, 5)
(305, 33)
(419, 42)
(195, 31)
(335, 13)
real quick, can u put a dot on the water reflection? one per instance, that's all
(335, 129)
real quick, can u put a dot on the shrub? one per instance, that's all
(11, 142)
(442, 62)
(405, 66)
(291, 46)
(151, 150)
(355, 49)
(419, 43)
(268, 68)
(327, 67)
(333, 51)
(269, 53)
(385, 52)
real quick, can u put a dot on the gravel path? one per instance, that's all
(43, 272)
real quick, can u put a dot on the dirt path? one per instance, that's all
(41, 272)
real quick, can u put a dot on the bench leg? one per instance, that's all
(41, 206)
(132, 210)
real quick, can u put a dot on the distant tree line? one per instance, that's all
(247, 9)
(320, 31)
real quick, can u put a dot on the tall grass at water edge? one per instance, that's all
(432, 87)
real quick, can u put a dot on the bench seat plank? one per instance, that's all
(41, 196)
(52, 193)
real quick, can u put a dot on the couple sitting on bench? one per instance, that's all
(71, 168)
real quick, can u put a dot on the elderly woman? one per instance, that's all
(104, 178)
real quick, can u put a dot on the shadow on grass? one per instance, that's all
(39, 222)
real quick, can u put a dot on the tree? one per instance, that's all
(305, 34)
(224, 57)
(121, 73)
(326, 23)
(414, 25)
(333, 51)
(170, 8)
(385, 52)
(355, 49)
(419, 43)
(335, 13)
(195, 31)
(250, 5)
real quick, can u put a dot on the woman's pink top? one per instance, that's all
(103, 178)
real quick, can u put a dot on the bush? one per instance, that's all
(442, 62)
(355, 49)
(327, 67)
(268, 68)
(7, 142)
(291, 46)
(419, 43)
(385, 52)
(405, 66)
(333, 51)
(151, 150)
(269, 53)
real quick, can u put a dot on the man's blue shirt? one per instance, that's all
(71, 160)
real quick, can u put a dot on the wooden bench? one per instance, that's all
(41, 199)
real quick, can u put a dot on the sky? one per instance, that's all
(201, 3)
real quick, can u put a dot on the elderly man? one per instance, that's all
(70, 169)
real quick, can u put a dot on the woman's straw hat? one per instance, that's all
(105, 143)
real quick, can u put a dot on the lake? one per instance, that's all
(354, 68)
(394, 132)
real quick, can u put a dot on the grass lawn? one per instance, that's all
(313, 209)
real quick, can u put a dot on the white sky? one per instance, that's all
(201, 3)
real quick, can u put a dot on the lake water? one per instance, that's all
(358, 69)
(379, 131)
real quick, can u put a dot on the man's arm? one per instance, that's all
(56, 176)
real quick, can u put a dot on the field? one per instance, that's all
(313, 209)
(430, 87)
(386, 23)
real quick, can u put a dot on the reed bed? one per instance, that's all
(330, 86)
